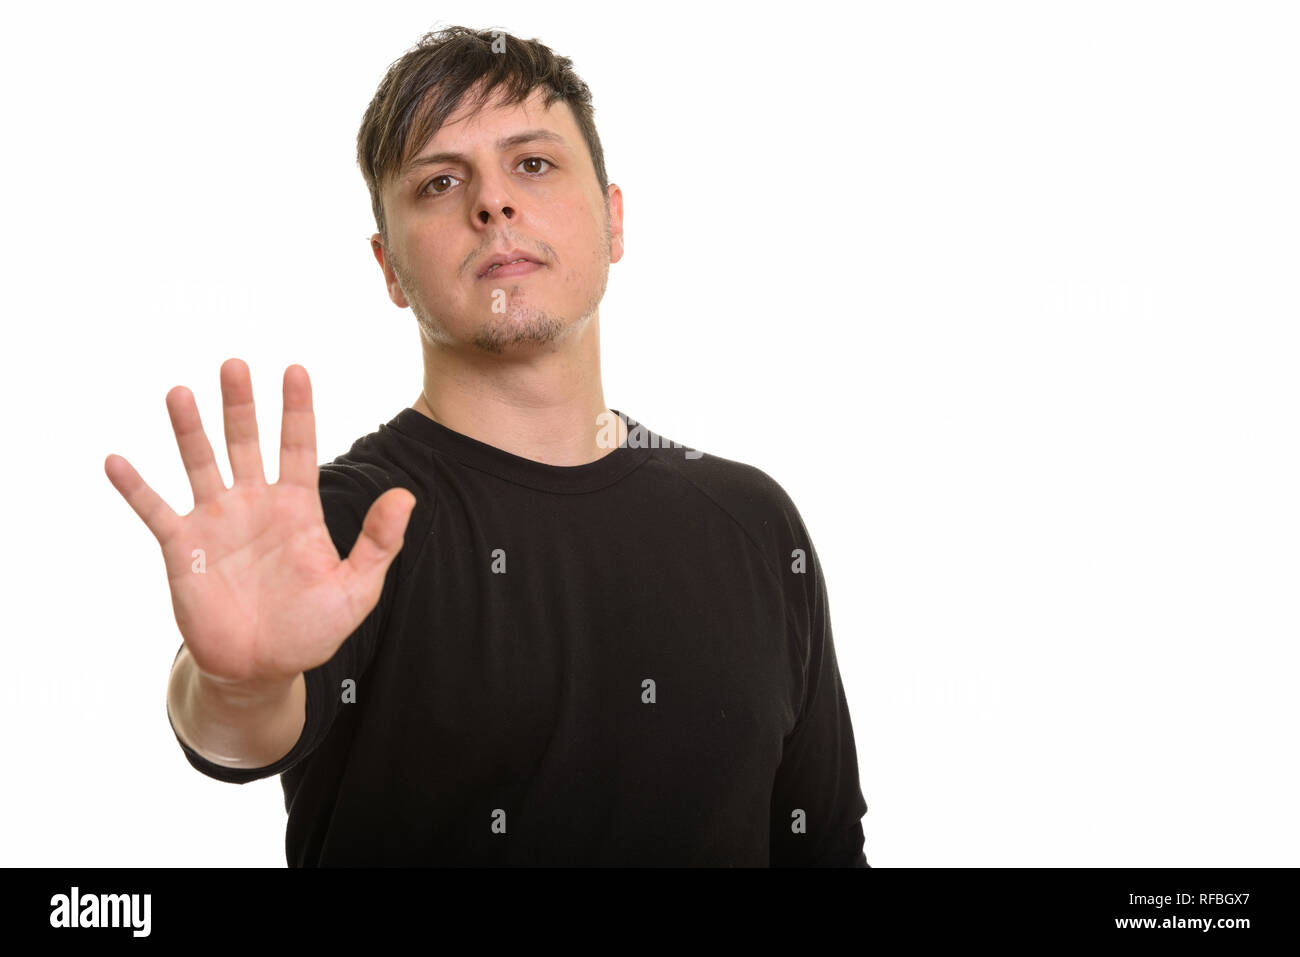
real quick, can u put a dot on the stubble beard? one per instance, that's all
(521, 322)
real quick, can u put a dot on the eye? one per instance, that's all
(429, 190)
(429, 186)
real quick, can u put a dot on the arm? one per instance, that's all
(251, 741)
(817, 802)
(268, 548)
(234, 725)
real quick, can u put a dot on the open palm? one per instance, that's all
(259, 590)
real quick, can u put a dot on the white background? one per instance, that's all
(1003, 294)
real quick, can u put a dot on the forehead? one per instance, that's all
(471, 114)
(495, 123)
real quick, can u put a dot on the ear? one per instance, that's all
(390, 277)
(615, 223)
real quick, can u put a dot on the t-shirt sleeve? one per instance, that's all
(817, 801)
(347, 491)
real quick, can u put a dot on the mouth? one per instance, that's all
(516, 267)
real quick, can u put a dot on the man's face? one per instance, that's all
(447, 217)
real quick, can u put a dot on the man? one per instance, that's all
(558, 638)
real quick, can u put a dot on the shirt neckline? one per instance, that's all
(604, 471)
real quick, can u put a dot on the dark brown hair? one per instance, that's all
(404, 114)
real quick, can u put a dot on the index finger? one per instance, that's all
(298, 431)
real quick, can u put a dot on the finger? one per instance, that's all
(383, 532)
(144, 501)
(298, 431)
(241, 423)
(196, 452)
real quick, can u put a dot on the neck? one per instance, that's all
(541, 405)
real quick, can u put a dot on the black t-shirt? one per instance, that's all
(623, 663)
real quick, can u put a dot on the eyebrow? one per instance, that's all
(503, 144)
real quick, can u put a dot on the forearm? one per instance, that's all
(231, 725)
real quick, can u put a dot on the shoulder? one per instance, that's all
(376, 462)
(351, 482)
(764, 509)
(752, 496)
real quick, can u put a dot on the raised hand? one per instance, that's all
(260, 592)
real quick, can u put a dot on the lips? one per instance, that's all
(495, 266)
(502, 259)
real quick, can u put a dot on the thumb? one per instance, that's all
(382, 534)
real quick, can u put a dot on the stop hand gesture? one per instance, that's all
(259, 590)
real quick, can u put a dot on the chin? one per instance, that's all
(520, 331)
